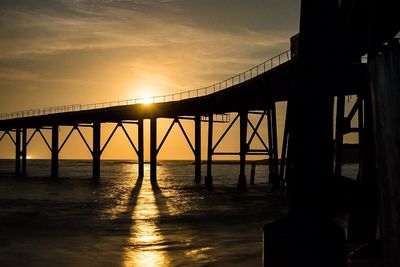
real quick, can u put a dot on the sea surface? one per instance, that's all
(120, 220)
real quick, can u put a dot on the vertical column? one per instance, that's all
(385, 78)
(153, 150)
(23, 151)
(54, 151)
(141, 148)
(209, 179)
(243, 149)
(96, 149)
(339, 134)
(275, 144)
(18, 151)
(272, 178)
(197, 152)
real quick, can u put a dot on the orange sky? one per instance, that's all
(79, 51)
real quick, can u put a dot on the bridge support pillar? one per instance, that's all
(18, 151)
(54, 151)
(385, 77)
(96, 149)
(243, 149)
(141, 148)
(273, 147)
(23, 151)
(197, 133)
(209, 179)
(153, 150)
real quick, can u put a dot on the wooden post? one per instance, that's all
(96, 149)
(153, 150)
(209, 178)
(141, 148)
(24, 150)
(54, 151)
(385, 78)
(18, 151)
(197, 134)
(243, 149)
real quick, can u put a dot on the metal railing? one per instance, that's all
(234, 80)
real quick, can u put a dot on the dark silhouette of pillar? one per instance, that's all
(153, 150)
(24, 151)
(96, 149)
(54, 151)
(252, 173)
(209, 179)
(275, 145)
(339, 134)
(243, 149)
(141, 148)
(385, 78)
(18, 151)
(197, 147)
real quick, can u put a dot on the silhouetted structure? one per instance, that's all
(325, 62)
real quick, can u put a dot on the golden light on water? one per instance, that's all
(146, 241)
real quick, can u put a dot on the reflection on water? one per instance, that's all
(146, 243)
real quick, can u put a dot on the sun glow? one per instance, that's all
(28, 157)
(147, 100)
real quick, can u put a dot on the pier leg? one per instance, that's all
(243, 149)
(54, 151)
(339, 134)
(384, 73)
(274, 145)
(209, 178)
(23, 151)
(197, 134)
(96, 149)
(141, 148)
(153, 150)
(272, 178)
(18, 151)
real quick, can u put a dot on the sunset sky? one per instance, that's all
(86, 51)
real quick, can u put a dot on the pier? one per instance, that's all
(325, 63)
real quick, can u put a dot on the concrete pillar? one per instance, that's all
(197, 147)
(153, 150)
(18, 151)
(385, 78)
(141, 148)
(243, 149)
(209, 179)
(24, 151)
(54, 151)
(96, 149)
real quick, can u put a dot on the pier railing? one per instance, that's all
(234, 80)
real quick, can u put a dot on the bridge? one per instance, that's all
(324, 62)
(261, 87)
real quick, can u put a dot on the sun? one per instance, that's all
(147, 100)
(28, 157)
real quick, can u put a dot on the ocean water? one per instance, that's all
(120, 220)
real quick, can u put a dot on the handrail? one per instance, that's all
(234, 80)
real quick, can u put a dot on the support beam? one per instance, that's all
(23, 151)
(153, 150)
(18, 151)
(54, 151)
(96, 149)
(385, 79)
(243, 149)
(197, 151)
(209, 179)
(339, 134)
(141, 148)
(275, 145)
